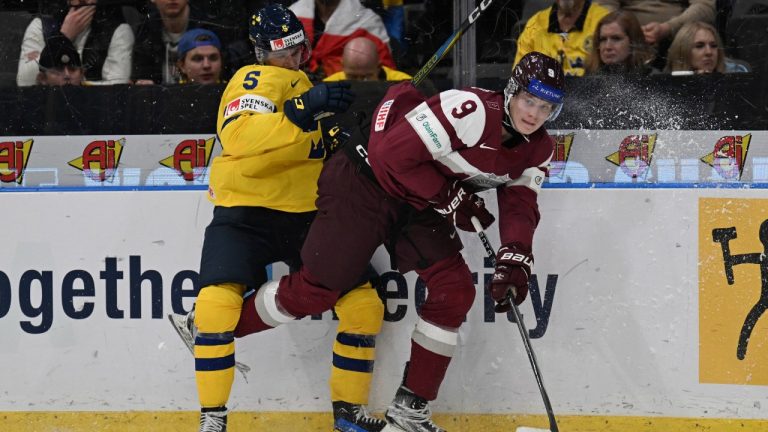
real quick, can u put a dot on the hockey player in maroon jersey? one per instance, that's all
(408, 185)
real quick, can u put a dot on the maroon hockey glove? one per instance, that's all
(449, 200)
(474, 206)
(513, 267)
(462, 205)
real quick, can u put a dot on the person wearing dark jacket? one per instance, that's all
(155, 53)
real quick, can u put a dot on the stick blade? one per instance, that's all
(530, 429)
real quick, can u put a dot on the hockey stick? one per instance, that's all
(448, 44)
(524, 333)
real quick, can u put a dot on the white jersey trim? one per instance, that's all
(436, 333)
(435, 339)
(532, 178)
(266, 306)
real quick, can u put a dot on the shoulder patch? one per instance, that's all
(381, 116)
(254, 103)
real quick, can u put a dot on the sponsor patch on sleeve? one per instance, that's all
(429, 129)
(381, 116)
(253, 103)
(532, 178)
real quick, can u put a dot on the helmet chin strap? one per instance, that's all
(509, 126)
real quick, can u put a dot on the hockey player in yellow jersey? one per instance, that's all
(264, 186)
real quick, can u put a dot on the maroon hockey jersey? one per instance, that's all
(418, 146)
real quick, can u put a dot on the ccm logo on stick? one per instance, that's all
(476, 13)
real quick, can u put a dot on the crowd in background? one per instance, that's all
(151, 42)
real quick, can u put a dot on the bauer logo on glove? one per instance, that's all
(511, 256)
(510, 278)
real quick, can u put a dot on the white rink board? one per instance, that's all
(622, 337)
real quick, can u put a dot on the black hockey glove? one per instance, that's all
(320, 101)
(513, 267)
(461, 205)
(333, 138)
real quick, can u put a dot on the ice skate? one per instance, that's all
(213, 421)
(185, 328)
(409, 413)
(355, 418)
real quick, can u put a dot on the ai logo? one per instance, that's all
(729, 155)
(100, 159)
(563, 145)
(634, 155)
(14, 156)
(191, 157)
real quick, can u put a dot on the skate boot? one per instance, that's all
(354, 418)
(410, 413)
(185, 328)
(213, 420)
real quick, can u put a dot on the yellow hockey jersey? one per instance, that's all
(542, 33)
(386, 74)
(266, 160)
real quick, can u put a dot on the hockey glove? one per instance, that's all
(333, 138)
(318, 102)
(461, 205)
(474, 206)
(513, 267)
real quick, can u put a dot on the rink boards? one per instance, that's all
(632, 316)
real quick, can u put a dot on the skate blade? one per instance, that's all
(177, 326)
(242, 368)
(392, 428)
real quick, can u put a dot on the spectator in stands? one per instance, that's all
(60, 63)
(697, 48)
(563, 31)
(661, 19)
(392, 14)
(360, 62)
(99, 33)
(155, 56)
(618, 46)
(199, 57)
(330, 24)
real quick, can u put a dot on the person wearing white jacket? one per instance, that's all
(102, 38)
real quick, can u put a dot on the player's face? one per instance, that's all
(171, 8)
(613, 44)
(64, 76)
(529, 112)
(202, 65)
(289, 58)
(704, 52)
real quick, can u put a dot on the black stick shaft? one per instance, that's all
(449, 43)
(521, 327)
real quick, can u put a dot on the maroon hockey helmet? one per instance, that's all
(539, 75)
